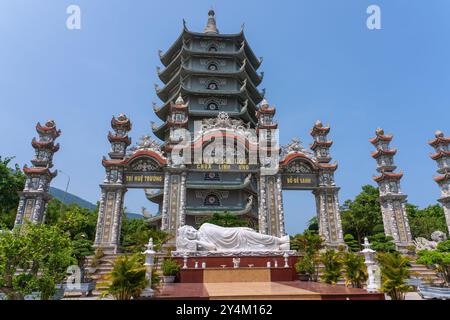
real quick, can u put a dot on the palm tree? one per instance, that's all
(333, 265)
(355, 269)
(127, 278)
(394, 272)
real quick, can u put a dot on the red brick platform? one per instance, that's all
(275, 290)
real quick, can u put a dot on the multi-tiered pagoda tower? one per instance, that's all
(392, 200)
(35, 196)
(442, 157)
(219, 152)
(207, 74)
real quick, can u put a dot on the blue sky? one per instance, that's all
(320, 62)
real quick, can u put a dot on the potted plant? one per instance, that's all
(304, 268)
(170, 268)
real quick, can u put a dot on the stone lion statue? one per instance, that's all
(424, 244)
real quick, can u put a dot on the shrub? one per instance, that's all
(355, 269)
(440, 258)
(305, 265)
(351, 243)
(127, 278)
(382, 243)
(394, 272)
(170, 267)
(332, 266)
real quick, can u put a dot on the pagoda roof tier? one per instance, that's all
(187, 35)
(49, 145)
(42, 171)
(115, 138)
(442, 178)
(315, 163)
(380, 136)
(388, 175)
(379, 152)
(440, 154)
(317, 144)
(140, 153)
(319, 129)
(179, 107)
(121, 122)
(185, 71)
(160, 131)
(439, 140)
(41, 163)
(162, 111)
(155, 197)
(48, 128)
(327, 166)
(271, 126)
(266, 110)
(169, 72)
(178, 81)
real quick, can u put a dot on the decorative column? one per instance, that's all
(392, 200)
(442, 158)
(280, 208)
(271, 213)
(165, 204)
(35, 195)
(262, 208)
(327, 201)
(109, 220)
(174, 202)
(174, 198)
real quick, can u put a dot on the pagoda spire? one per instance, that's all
(392, 200)
(211, 26)
(35, 196)
(442, 158)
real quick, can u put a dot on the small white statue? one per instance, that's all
(236, 262)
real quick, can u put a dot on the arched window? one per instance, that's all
(212, 48)
(213, 86)
(212, 106)
(212, 176)
(212, 200)
(212, 67)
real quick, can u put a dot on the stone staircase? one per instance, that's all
(420, 271)
(424, 273)
(98, 274)
(105, 266)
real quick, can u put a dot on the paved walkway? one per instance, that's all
(285, 290)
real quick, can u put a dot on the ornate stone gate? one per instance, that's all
(147, 166)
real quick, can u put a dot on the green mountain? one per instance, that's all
(68, 198)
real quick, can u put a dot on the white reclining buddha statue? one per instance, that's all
(210, 237)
